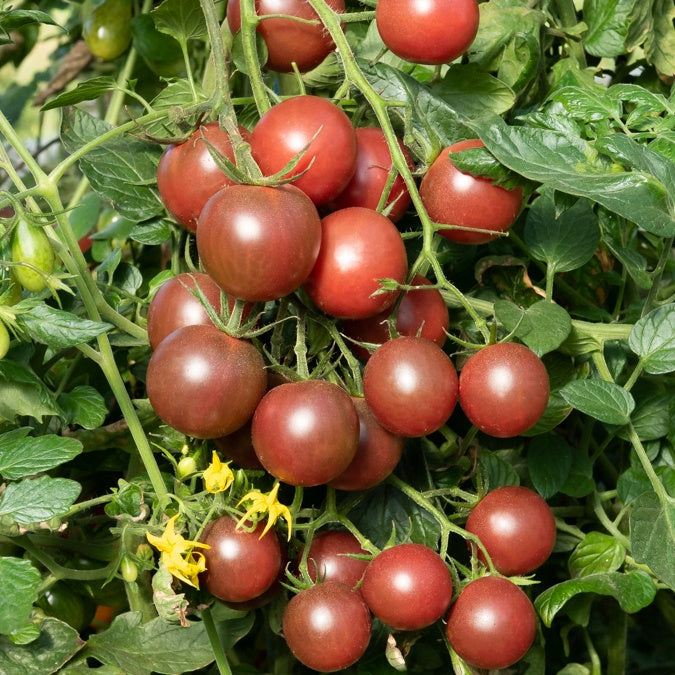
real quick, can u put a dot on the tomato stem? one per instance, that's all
(211, 630)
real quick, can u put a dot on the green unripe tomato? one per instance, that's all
(129, 570)
(107, 28)
(4, 340)
(62, 603)
(31, 245)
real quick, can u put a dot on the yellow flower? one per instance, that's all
(266, 503)
(217, 476)
(177, 554)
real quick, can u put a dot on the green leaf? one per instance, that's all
(653, 340)
(605, 401)
(127, 501)
(543, 326)
(652, 535)
(633, 591)
(35, 500)
(596, 553)
(579, 481)
(152, 232)
(587, 104)
(652, 27)
(23, 455)
(153, 647)
(549, 460)
(88, 90)
(55, 646)
(59, 329)
(83, 406)
(23, 393)
(607, 22)
(566, 241)
(19, 581)
(182, 19)
(84, 216)
(13, 19)
(651, 417)
(498, 472)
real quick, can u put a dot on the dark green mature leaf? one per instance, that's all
(549, 460)
(88, 90)
(58, 329)
(34, 500)
(123, 169)
(607, 22)
(605, 401)
(128, 500)
(565, 163)
(596, 553)
(153, 232)
(580, 480)
(23, 455)
(652, 27)
(498, 471)
(84, 406)
(652, 535)
(23, 393)
(56, 644)
(12, 19)
(19, 581)
(633, 591)
(182, 19)
(153, 647)
(653, 340)
(587, 104)
(651, 417)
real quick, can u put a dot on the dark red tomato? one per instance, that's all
(187, 174)
(503, 389)
(289, 41)
(373, 164)
(175, 305)
(359, 246)
(259, 243)
(517, 528)
(205, 383)
(455, 198)
(410, 384)
(420, 312)
(238, 447)
(241, 564)
(318, 128)
(327, 626)
(427, 31)
(306, 433)
(407, 586)
(377, 453)
(329, 558)
(492, 623)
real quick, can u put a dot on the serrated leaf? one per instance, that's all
(651, 417)
(182, 19)
(604, 401)
(22, 455)
(34, 500)
(153, 232)
(596, 553)
(549, 460)
(152, 647)
(653, 340)
(607, 22)
(633, 591)
(127, 500)
(88, 90)
(587, 103)
(13, 19)
(497, 471)
(579, 481)
(83, 406)
(23, 393)
(19, 581)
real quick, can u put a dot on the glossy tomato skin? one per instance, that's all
(407, 586)
(289, 41)
(259, 243)
(492, 624)
(305, 433)
(327, 626)
(377, 453)
(410, 384)
(188, 176)
(30, 244)
(106, 28)
(205, 383)
(504, 389)
(322, 128)
(427, 31)
(517, 528)
(240, 565)
(358, 247)
(373, 163)
(329, 558)
(455, 198)
(419, 312)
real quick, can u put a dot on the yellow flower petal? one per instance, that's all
(217, 476)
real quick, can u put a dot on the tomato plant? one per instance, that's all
(106, 27)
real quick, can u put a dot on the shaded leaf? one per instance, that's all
(653, 340)
(88, 90)
(182, 19)
(19, 581)
(23, 393)
(549, 460)
(596, 553)
(83, 406)
(605, 401)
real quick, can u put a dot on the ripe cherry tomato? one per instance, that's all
(373, 163)
(240, 563)
(377, 453)
(427, 31)
(187, 174)
(289, 41)
(30, 245)
(238, 447)
(259, 243)
(306, 433)
(419, 312)
(410, 384)
(492, 623)
(205, 383)
(517, 528)
(327, 626)
(318, 128)
(329, 558)
(359, 246)
(455, 198)
(407, 586)
(503, 389)
(107, 28)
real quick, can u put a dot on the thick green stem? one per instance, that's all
(211, 630)
(656, 483)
